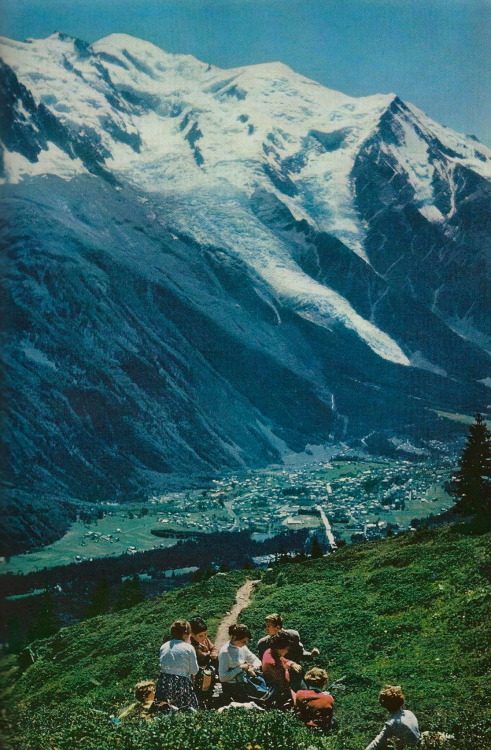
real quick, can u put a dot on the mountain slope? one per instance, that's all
(412, 610)
(208, 268)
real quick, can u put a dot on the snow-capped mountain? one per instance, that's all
(210, 267)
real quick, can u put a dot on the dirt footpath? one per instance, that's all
(242, 600)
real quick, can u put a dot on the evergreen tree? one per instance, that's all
(47, 621)
(130, 593)
(317, 551)
(16, 635)
(99, 604)
(472, 482)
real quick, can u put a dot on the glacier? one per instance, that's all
(209, 268)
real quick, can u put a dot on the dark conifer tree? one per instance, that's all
(47, 621)
(100, 601)
(317, 551)
(472, 482)
(16, 635)
(130, 593)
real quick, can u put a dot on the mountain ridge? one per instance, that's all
(208, 269)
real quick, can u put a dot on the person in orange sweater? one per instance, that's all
(280, 672)
(313, 706)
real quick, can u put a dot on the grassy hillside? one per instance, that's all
(412, 610)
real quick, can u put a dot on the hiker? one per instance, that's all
(206, 653)
(142, 707)
(401, 726)
(313, 706)
(207, 657)
(279, 672)
(178, 664)
(273, 624)
(238, 667)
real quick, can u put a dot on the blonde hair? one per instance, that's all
(143, 689)
(391, 697)
(316, 677)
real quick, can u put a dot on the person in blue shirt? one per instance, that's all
(401, 727)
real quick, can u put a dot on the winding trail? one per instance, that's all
(242, 600)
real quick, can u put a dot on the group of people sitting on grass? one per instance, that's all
(191, 667)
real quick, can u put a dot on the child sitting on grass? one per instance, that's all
(313, 706)
(281, 673)
(401, 727)
(141, 708)
(207, 656)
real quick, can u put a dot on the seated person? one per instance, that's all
(273, 624)
(279, 671)
(236, 663)
(141, 709)
(178, 665)
(401, 726)
(313, 706)
(206, 653)
(207, 656)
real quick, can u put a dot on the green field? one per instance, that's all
(464, 419)
(433, 502)
(413, 610)
(134, 532)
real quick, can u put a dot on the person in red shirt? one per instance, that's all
(207, 656)
(280, 672)
(313, 706)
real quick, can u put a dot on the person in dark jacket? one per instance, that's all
(206, 653)
(296, 652)
(207, 656)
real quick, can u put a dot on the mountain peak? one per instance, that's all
(189, 241)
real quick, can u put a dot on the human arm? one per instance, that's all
(294, 667)
(269, 667)
(193, 662)
(297, 651)
(249, 658)
(228, 667)
(380, 741)
(213, 649)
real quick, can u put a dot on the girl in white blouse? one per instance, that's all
(178, 665)
(235, 663)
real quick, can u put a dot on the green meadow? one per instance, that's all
(413, 610)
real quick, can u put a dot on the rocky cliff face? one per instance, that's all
(207, 268)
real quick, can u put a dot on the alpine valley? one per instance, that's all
(208, 268)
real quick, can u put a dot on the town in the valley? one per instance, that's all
(340, 499)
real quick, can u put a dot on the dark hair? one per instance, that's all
(180, 628)
(316, 677)
(275, 619)
(238, 632)
(280, 640)
(391, 697)
(198, 625)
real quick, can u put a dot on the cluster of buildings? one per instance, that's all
(358, 500)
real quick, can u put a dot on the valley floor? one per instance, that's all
(359, 497)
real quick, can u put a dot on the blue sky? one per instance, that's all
(433, 53)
